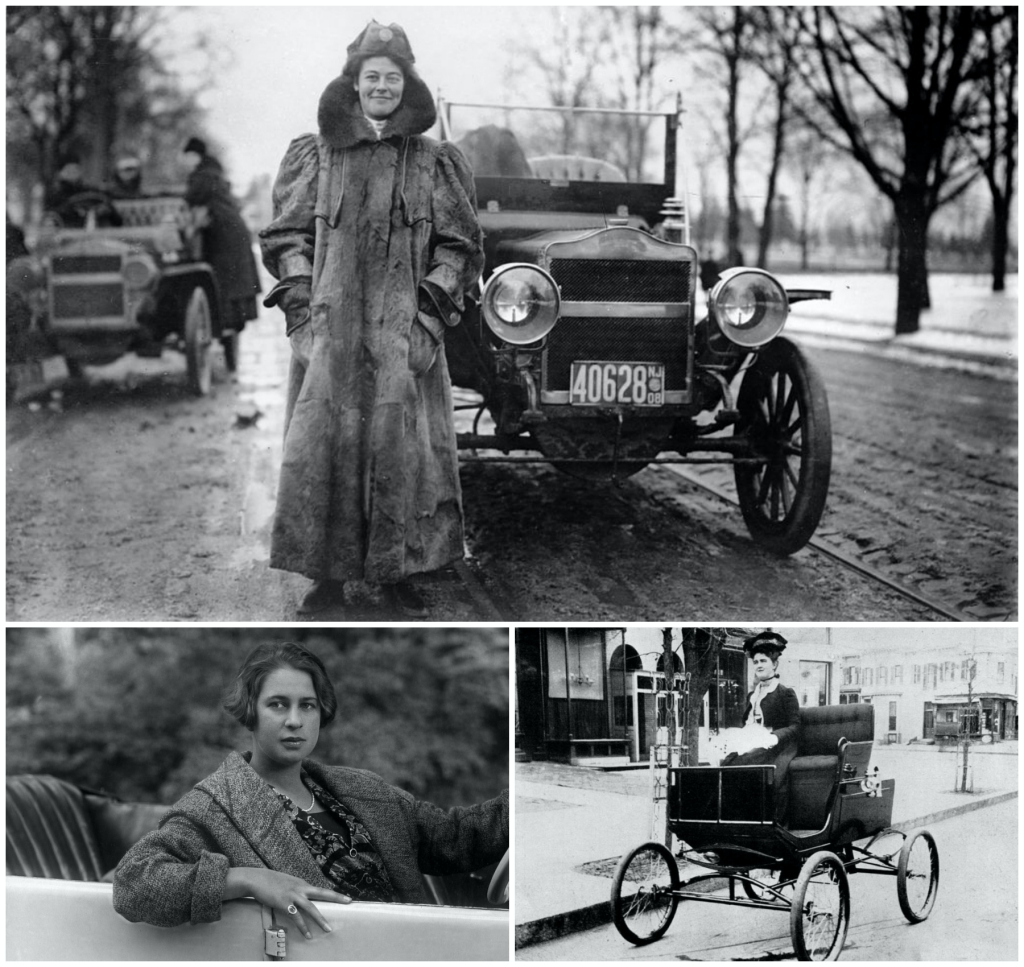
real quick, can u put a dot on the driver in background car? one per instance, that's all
(71, 198)
(127, 179)
(282, 828)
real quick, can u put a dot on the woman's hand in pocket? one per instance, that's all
(423, 345)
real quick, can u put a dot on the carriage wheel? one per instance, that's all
(820, 913)
(784, 413)
(198, 338)
(917, 878)
(643, 898)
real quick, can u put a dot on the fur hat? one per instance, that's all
(340, 116)
(376, 40)
(197, 145)
(766, 643)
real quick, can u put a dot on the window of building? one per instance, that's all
(917, 674)
(892, 716)
(848, 675)
(897, 674)
(1000, 671)
(963, 670)
(585, 653)
(814, 685)
(624, 660)
(883, 675)
(849, 698)
(869, 677)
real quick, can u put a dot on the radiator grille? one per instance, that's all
(84, 264)
(622, 340)
(622, 280)
(78, 301)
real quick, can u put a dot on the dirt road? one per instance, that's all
(140, 503)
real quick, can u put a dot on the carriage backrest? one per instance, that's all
(823, 727)
(56, 830)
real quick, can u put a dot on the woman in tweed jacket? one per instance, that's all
(247, 829)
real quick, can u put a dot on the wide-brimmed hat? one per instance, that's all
(765, 642)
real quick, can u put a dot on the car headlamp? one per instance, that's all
(750, 306)
(520, 303)
(139, 271)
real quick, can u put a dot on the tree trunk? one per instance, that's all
(912, 217)
(732, 233)
(700, 656)
(1000, 242)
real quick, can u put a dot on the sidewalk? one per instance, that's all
(573, 823)
(968, 327)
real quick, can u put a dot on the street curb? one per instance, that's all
(599, 914)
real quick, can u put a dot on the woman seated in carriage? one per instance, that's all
(775, 708)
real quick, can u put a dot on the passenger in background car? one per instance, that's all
(277, 826)
(375, 240)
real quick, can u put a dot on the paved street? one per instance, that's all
(975, 916)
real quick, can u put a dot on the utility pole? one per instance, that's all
(972, 666)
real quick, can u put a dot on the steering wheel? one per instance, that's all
(497, 891)
(90, 200)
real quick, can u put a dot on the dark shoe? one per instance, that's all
(323, 596)
(407, 599)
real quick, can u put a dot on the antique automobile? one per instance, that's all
(587, 343)
(839, 823)
(63, 842)
(98, 292)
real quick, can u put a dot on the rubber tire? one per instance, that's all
(796, 923)
(901, 876)
(198, 338)
(785, 534)
(617, 900)
(497, 889)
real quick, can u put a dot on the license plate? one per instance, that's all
(602, 384)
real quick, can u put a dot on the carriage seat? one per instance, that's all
(815, 771)
(57, 831)
(575, 167)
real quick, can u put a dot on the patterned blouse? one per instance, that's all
(344, 852)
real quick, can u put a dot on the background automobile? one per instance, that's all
(96, 293)
(587, 345)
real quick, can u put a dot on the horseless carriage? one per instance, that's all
(587, 343)
(839, 818)
(100, 291)
(64, 841)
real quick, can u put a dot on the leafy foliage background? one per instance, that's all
(137, 712)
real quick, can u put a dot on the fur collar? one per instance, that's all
(343, 125)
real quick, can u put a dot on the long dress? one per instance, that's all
(227, 244)
(780, 710)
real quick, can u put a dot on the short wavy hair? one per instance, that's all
(243, 693)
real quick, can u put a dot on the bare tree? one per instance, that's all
(89, 79)
(701, 647)
(775, 40)
(726, 35)
(993, 129)
(889, 86)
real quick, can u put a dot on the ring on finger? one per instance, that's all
(292, 909)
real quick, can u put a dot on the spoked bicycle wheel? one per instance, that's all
(643, 898)
(917, 877)
(820, 914)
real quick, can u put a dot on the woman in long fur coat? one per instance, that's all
(374, 240)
